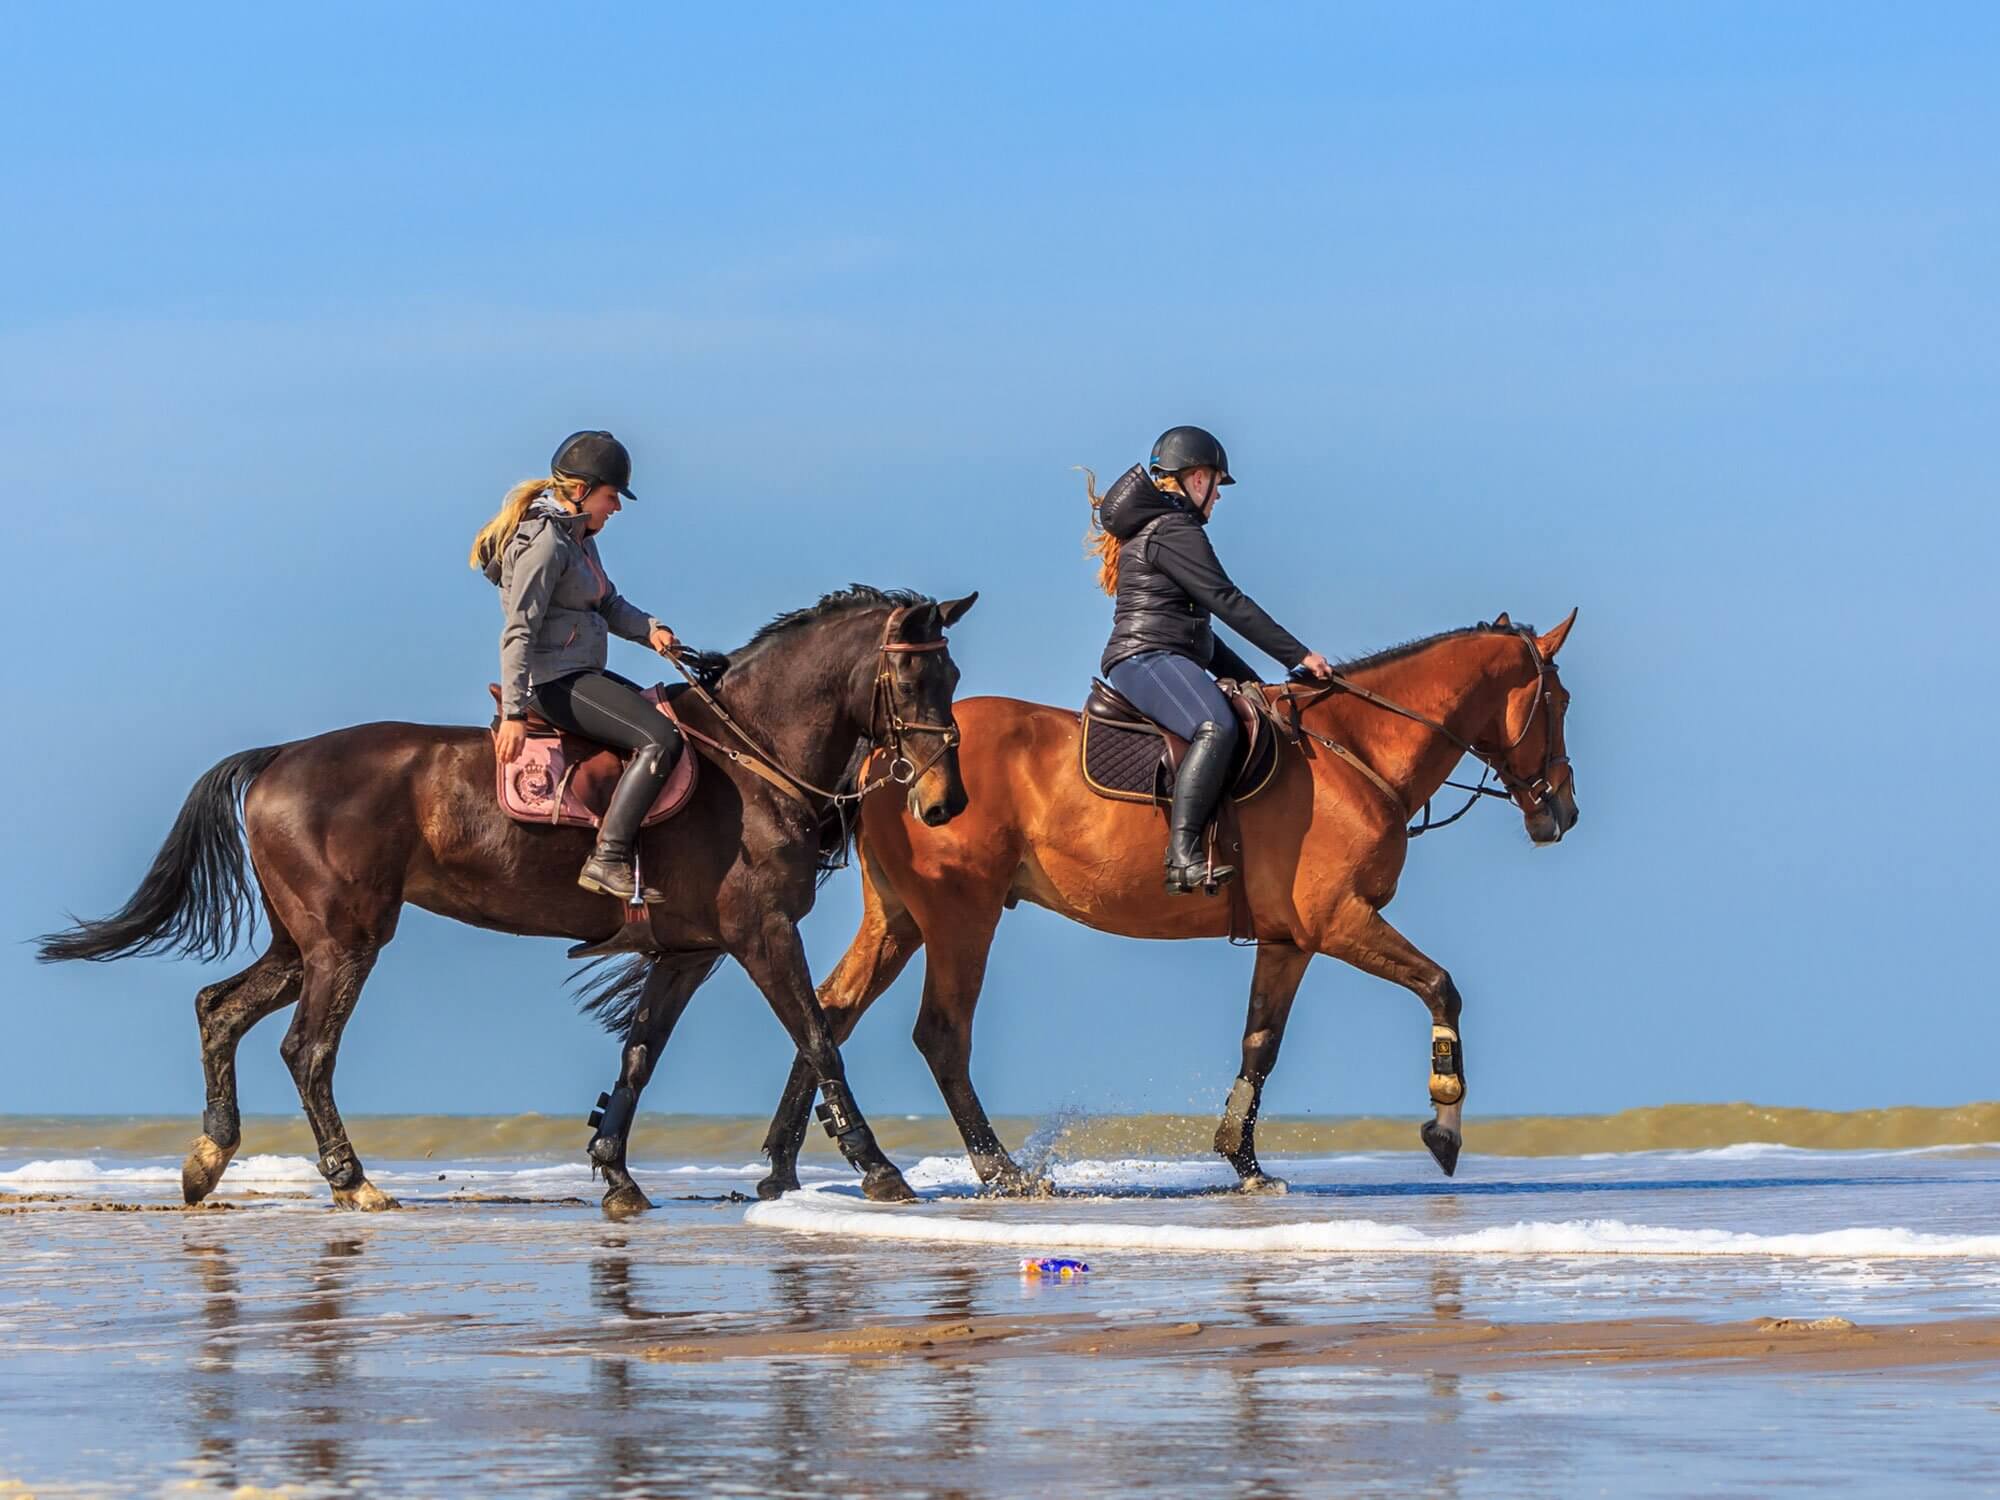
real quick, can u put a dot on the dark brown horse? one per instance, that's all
(1322, 850)
(345, 828)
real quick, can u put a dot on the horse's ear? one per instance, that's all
(1551, 643)
(951, 609)
(1500, 621)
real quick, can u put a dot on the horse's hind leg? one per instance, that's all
(333, 979)
(881, 947)
(669, 987)
(1273, 987)
(225, 1011)
(1359, 935)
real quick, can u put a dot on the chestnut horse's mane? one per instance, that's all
(1411, 648)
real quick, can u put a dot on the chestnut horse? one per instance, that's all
(1322, 849)
(343, 829)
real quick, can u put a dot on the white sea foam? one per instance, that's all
(823, 1211)
(72, 1172)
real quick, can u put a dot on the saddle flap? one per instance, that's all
(566, 780)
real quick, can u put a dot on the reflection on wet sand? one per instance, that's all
(212, 1371)
(463, 1350)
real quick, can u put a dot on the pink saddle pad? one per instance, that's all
(540, 784)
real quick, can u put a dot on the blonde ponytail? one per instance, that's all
(497, 533)
(1097, 542)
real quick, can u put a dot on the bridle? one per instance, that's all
(1536, 791)
(901, 770)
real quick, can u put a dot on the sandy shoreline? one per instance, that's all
(1773, 1345)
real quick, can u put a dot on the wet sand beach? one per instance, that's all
(1644, 1323)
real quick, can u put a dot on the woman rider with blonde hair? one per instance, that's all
(559, 607)
(1163, 654)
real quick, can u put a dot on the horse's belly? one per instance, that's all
(1121, 891)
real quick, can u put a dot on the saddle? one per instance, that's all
(563, 779)
(1127, 757)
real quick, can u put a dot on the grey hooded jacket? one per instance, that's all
(558, 604)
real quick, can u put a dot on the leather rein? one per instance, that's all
(1538, 791)
(901, 770)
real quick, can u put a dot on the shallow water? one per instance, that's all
(463, 1346)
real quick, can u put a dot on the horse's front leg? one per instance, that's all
(883, 945)
(1273, 987)
(669, 985)
(775, 960)
(1359, 935)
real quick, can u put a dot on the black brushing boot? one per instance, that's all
(1197, 789)
(610, 870)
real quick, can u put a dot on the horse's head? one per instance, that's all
(1535, 766)
(913, 719)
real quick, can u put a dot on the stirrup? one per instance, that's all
(1185, 880)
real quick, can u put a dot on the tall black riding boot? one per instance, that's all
(610, 869)
(1197, 789)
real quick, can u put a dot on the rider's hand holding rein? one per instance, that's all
(663, 641)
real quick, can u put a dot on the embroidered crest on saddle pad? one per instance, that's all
(567, 781)
(1128, 758)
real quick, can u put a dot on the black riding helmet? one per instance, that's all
(1190, 448)
(596, 456)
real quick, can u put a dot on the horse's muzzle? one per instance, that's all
(1553, 815)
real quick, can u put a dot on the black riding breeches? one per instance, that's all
(605, 707)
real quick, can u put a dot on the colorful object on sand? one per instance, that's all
(1052, 1268)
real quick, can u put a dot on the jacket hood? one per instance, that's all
(545, 510)
(1134, 500)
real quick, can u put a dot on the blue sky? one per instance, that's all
(1685, 315)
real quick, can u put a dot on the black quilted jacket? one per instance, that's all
(1170, 582)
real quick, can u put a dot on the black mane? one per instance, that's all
(1390, 654)
(840, 601)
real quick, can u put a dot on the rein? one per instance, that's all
(760, 761)
(1539, 790)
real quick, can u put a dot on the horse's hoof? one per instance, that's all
(626, 1203)
(1443, 1144)
(777, 1185)
(886, 1185)
(203, 1169)
(1012, 1182)
(367, 1197)
(1257, 1184)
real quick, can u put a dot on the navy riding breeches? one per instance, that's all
(1176, 694)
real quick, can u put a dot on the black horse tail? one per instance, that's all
(610, 988)
(196, 899)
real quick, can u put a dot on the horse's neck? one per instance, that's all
(1462, 683)
(796, 696)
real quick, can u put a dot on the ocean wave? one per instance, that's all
(819, 1211)
(1068, 1136)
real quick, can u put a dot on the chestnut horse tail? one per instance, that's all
(197, 898)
